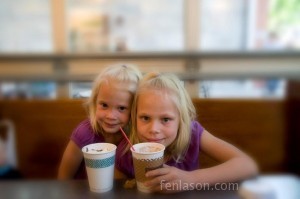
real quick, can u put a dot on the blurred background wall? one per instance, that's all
(152, 27)
(221, 49)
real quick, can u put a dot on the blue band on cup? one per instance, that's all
(91, 163)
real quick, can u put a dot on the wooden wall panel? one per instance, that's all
(43, 129)
(256, 126)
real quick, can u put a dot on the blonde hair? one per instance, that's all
(173, 86)
(121, 73)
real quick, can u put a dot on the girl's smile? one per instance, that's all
(108, 125)
(155, 140)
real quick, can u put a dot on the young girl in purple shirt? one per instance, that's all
(163, 112)
(109, 109)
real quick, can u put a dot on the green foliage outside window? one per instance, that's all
(284, 13)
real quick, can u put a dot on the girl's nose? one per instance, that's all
(111, 114)
(155, 127)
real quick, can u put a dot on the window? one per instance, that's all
(27, 90)
(118, 25)
(243, 88)
(25, 26)
(249, 25)
(95, 26)
(80, 89)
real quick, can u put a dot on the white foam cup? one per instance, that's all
(100, 162)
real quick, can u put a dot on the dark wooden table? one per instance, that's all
(73, 189)
(282, 186)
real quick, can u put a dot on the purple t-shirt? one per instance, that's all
(191, 160)
(83, 135)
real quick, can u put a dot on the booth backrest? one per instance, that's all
(258, 127)
(43, 128)
(42, 132)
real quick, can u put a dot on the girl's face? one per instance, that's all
(113, 106)
(157, 118)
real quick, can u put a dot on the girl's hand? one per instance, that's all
(168, 179)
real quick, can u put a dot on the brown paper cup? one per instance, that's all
(147, 156)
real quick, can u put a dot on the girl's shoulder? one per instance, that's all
(84, 127)
(84, 134)
(84, 123)
(196, 128)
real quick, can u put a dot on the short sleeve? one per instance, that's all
(191, 159)
(83, 135)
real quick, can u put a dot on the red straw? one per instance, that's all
(125, 136)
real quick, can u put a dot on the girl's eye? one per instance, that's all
(103, 105)
(165, 120)
(144, 118)
(122, 108)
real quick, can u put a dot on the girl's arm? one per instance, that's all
(234, 166)
(70, 162)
